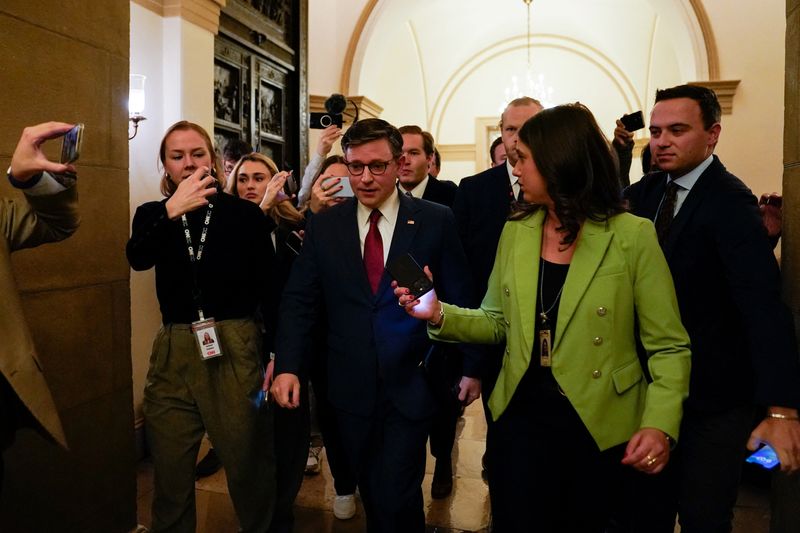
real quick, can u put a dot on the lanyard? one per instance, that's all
(194, 259)
(203, 234)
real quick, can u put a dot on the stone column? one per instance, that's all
(786, 489)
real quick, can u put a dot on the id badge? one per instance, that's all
(545, 356)
(207, 339)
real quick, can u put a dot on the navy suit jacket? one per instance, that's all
(440, 191)
(481, 208)
(728, 286)
(371, 341)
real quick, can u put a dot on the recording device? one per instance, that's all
(764, 457)
(405, 270)
(71, 144)
(320, 121)
(346, 191)
(633, 121)
(335, 106)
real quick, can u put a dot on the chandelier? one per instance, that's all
(528, 84)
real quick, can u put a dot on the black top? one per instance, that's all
(555, 275)
(235, 273)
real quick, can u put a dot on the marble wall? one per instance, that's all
(70, 62)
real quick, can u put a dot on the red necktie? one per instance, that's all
(373, 252)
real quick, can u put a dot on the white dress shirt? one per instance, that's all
(389, 209)
(687, 181)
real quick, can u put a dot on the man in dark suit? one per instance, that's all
(375, 350)
(413, 177)
(447, 367)
(481, 207)
(728, 286)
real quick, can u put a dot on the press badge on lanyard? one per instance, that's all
(204, 329)
(207, 339)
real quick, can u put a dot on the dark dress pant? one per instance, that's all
(343, 472)
(291, 453)
(388, 452)
(701, 482)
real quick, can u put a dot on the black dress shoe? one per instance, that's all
(208, 465)
(442, 484)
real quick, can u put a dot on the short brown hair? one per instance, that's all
(167, 185)
(373, 129)
(521, 102)
(427, 138)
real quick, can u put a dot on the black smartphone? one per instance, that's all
(294, 242)
(320, 121)
(71, 144)
(633, 121)
(764, 457)
(405, 270)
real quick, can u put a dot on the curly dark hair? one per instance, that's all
(576, 163)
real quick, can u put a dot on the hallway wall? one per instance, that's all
(62, 61)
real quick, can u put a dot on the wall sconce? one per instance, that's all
(136, 102)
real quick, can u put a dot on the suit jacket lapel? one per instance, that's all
(404, 230)
(693, 200)
(351, 246)
(589, 252)
(527, 251)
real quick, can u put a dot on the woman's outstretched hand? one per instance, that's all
(273, 195)
(426, 307)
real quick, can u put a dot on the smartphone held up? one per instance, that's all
(71, 144)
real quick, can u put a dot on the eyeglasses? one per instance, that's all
(376, 168)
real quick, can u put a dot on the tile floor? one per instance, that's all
(466, 510)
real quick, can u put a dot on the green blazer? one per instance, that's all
(618, 274)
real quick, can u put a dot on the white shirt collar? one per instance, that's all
(688, 180)
(512, 179)
(419, 190)
(389, 209)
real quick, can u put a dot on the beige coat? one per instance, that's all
(26, 224)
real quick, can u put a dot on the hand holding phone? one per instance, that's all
(633, 121)
(764, 457)
(346, 191)
(71, 144)
(405, 270)
(29, 158)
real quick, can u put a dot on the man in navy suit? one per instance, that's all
(728, 286)
(449, 367)
(375, 350)
(482, 205)
(413, 177)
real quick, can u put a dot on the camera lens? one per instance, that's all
(325, 121)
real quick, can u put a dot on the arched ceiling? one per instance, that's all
(431, 61)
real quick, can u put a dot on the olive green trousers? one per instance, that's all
(184, 397)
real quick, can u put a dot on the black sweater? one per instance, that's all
(236, 273)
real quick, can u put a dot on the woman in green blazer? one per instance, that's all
(573, 279)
